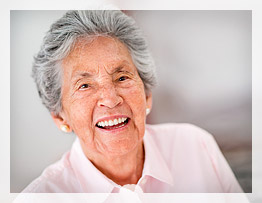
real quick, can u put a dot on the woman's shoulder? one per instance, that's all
(54, 178)
(177, 130)
(170, 135)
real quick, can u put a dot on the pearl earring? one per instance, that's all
(147, 111)
(64, 128)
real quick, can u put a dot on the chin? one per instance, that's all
(120, 148)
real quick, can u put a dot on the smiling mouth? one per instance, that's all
(113, 124)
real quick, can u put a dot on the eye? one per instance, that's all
(84, 86)
(123, 78)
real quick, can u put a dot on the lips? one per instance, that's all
(112, 123)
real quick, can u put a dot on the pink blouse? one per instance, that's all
(179, 158)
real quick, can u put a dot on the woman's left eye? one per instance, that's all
(84, 86)
(122, 78)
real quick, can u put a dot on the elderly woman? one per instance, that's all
(94, 74)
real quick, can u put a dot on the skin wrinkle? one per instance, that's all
(120, 155)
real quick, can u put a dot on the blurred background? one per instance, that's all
(204, 67)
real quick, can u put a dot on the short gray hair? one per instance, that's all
(62, 36)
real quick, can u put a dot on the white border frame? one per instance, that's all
(254, 5)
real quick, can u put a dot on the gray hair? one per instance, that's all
(62, 36)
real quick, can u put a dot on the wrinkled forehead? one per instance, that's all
(97, 52)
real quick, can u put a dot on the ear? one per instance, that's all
(60, 121)
(149, 101)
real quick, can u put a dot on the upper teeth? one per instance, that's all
(111, 122)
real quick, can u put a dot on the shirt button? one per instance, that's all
(143, 181)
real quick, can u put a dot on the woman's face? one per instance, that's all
(101, 86)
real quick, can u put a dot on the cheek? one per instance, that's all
(80, 116)
(82, 122)
(136, 99)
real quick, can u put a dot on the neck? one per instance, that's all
(124, 169)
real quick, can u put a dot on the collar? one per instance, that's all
(90, 178)
(94, 181)
(155, 165)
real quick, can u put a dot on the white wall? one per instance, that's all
(204, 69)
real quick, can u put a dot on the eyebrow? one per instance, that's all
(118, 69)
(82, 74)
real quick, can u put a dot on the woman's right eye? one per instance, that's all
(84, 86)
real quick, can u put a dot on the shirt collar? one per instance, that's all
(155, 165)
(90, 178)
(93, 181)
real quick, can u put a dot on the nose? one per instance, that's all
(109, 97)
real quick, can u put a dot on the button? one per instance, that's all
(131, 187)
(143, 181)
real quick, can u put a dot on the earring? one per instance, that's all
(147, 111)
(64, 128)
